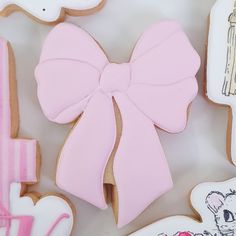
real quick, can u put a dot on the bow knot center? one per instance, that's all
(115, 77)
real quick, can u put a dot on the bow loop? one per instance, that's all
(73, 43)
(153, 37)
(164, 56)
(164, 65)
(68, 73)
(65, 87)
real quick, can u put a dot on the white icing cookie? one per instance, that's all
(52, 215)
(215, 203)
(50, 10)
(221, 63)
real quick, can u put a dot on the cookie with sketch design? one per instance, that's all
(216, 205)
(221, 65)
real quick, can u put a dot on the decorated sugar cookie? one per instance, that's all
(18, 164)
(113, 148)
(216, 205)
(50, 215)
(221, 64)
(49, 11)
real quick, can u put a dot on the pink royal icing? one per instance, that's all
(58, 220)
(49, 216)
(155, 88)
(17, 156)
(25, 223)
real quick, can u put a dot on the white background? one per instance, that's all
(197, 155)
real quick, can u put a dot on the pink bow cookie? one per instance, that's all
(119, 106)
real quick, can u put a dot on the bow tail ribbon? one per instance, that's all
(139, 150)
(90, 145)
(88, 148)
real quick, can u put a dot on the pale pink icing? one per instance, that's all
(17, 156)
(156, 87)
(89, 161)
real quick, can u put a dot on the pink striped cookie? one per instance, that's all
(19, 164)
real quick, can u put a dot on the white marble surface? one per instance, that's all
(195, 156)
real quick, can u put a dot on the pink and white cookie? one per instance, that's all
(221, 65)
(216, 205)
(47, 216)
(113, 151)
(19, 163)
(50, 11)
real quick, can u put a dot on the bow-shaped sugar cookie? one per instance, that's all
(121, 103)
